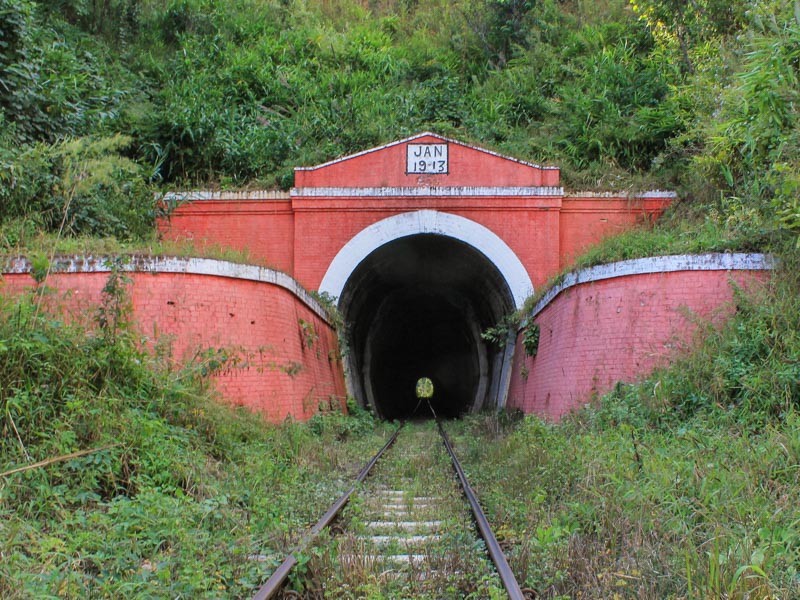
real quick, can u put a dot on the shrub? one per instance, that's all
(84, 186)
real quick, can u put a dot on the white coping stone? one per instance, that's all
(421, 191)
(428, 223)
(189, 266)
(425, 191)
(657, 264)
(432, 222)
(636, 195)
(200, 195)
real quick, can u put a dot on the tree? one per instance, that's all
(690, 22)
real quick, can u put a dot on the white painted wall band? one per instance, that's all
(659, 264)
(421, 222)
(655, 194)
(425, 192)
(382, 192)
(188, 266)
(207, 195)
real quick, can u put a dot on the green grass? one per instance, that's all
(701, 510)
(40, 244)
(682, 486)
(180, 492)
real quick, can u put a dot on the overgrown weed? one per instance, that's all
(682, 485)
(38, 243)
(149, 485)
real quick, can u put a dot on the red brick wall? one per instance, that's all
(386, 167)
(303, 237)
(592, 334)
(322, 228)
(279, 374)
(595, 334)
(586, 219)
(301, 233)
(262, 228)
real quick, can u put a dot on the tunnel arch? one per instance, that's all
(476, 235)
(415, 301)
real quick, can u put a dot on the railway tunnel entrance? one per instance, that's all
(424, 242)
(415, 308)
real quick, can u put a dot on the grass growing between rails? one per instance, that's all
(682, 486)
(408, 533)
(122, 476)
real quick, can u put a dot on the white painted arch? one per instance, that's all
(431, 222)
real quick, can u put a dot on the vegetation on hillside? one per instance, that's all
(681, 486)
(103, 101)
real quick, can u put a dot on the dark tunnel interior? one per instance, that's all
(415, 308)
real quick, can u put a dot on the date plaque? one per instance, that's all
(427, 158)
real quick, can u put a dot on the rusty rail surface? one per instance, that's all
(276, 581)
(278, 578)
(493, 547)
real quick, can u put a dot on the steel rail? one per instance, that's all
(495, 552)
(277, 579)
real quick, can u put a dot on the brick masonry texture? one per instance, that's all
(302, 232)
(597, 333)
(593, 334)
(285, 356)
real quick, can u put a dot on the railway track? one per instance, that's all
(413, 529)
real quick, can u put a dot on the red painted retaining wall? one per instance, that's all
(287, 359)
(597, 333)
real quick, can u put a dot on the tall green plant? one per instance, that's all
(752, 146)
(20, 95)
(83, 186)
(685, 26)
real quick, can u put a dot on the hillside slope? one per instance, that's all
(101, 101)
(682, 486)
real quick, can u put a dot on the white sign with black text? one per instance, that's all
(426, 158)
